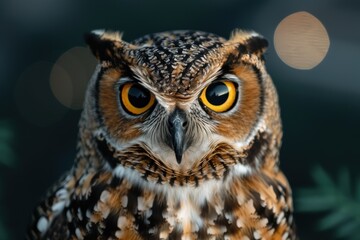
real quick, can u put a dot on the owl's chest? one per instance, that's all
(118, 209)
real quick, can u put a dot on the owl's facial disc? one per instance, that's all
(184, 131)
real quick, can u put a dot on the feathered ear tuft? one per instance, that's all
(103, 43)
(253, 42)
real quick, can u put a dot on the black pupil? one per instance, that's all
(138, 96)
(217, 93)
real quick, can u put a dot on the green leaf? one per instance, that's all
(348, 230)
(342, 205)
(357, 189)
(344, 181)
(322, 179)
(333, 219)
(316, 202)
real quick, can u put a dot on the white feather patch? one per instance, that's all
(42, 225)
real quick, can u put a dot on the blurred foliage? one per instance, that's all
(7, 157)
(339, 200)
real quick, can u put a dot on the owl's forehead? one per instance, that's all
(176, 62)
(174, 40)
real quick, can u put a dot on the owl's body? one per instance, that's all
(179, 139)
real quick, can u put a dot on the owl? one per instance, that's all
(179, 139)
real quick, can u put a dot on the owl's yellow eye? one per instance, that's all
(136, 99)
(219, 96)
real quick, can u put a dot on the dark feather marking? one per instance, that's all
(133, 194)
(201, 169)
(251, 236)
(90, 202)
(164, 173)
(100, 47)
(159, 181)
(212, 164)
(115, 181)
(256, 43)
(172, 181)
(215, 175)
(158, 56)
(196, 181)
(142, 227)
(110, 225)
(146, 174)
(58, 229)
(156, 219)
(274, 184)
(230, 204)
(224, 165)
(222, 221)
(257, 149)
(262, 90)
(175, 234)
(232, 59)
(187, 178)
(263, 212)
(151, 164)
(207, 211)
(96, 93)
(84, 205)
(171, 60)
(242, 49)
(201, 54)
(288, 214)
(95, 177)
(106, 152)
(202, 233)
(93, 233)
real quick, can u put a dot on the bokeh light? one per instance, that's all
(301, 41)
(61, 85)
(69, 76)
(33, 96)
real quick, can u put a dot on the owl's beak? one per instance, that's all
(177, 128)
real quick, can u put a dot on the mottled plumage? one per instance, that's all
(179, 139)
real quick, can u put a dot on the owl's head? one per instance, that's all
(181, 107)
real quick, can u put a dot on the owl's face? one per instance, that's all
(178, 101)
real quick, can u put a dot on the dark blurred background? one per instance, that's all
(44, 66)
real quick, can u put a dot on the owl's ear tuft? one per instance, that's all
(103, 43)
(251, 41)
